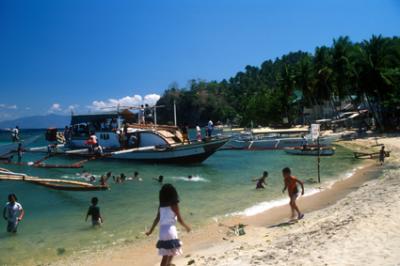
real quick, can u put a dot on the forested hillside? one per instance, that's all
(366, 72)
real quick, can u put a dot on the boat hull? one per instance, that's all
(181, 154)
(184, 154)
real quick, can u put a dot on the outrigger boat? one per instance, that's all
(311, 151)
(119, 138)
(57, 184)
(273, 139)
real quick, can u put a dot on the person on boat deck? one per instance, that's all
(168, 214)
(198, 134)
(94, 212)
(184, 131)
(15, 134)
(382, 155)
(92, 142)
(13, 213)
(304, 142)
(113, 124)
(160, 179)
(291, 186)
(99, 149)
(20, 152)
(141, 115)
(261, 181)
(210, 127)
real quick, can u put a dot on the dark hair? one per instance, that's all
(286, 170)
(168, 195)
(136, 173)
(95, 200)
(12, 195)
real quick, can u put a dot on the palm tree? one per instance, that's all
(376, 59)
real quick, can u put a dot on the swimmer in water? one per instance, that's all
(190, 177)
(160, 179)
(104, 179)
(261, 181)
(122, 177)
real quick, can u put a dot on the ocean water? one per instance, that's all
(54, 223)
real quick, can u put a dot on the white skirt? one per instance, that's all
(169, 243)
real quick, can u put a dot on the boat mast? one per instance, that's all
(174, 112)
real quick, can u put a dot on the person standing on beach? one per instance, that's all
(291, 186)
(382, 155)
(168, 213)
(13, 213)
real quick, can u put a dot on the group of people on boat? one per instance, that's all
(199, 136)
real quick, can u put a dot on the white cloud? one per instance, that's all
(55, 107)
(8, 106)
(151, 99)
(135, 100)
(71, 108)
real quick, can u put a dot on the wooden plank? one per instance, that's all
(133, 150)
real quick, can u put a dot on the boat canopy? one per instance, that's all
(90, 118)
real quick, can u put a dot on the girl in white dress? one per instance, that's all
(168, 213)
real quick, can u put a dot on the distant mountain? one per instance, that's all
(39, 121)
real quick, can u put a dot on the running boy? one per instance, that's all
(13, 213)
(293, 191)
(94, 211)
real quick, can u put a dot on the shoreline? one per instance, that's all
(217, 234)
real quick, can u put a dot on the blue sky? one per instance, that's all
(58, 55)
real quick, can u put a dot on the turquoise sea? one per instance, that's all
(54, 224)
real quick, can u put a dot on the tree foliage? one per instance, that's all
(366, 72)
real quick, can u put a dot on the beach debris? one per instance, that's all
(238, 229)
(190, 262)
(60, 251)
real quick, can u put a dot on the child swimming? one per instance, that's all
(94, 211)
(261, 181)
(168, 213)
(160, 179)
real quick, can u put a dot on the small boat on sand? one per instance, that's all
(311, 151)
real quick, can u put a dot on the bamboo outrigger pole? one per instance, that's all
(58, 184)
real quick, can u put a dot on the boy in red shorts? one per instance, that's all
(291, 185)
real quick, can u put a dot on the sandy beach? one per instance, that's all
(362, 228)
(351, 222)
